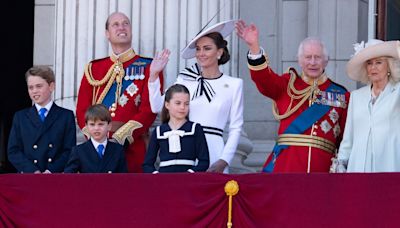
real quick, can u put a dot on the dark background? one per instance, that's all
(17, 19)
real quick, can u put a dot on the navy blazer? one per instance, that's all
(84, 159)
(36, 145)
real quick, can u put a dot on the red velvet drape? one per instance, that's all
(199, 200)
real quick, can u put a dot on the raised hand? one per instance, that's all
(248, 33)
(158, 64)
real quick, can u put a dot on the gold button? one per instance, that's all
(316, 126)
(34, 146)
(314, 133)
(50, 145)
(35, 161)
(49, 160)
(109, 172)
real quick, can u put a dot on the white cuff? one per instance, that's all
(190, 170)
(155, 172)
(256, 56)
(156, 100)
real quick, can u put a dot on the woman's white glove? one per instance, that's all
(338, 166)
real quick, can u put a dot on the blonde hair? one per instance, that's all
(394, 67)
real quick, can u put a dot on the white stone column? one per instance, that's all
(157, 24)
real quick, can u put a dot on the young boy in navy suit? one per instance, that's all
(97, 155)
(42, 136)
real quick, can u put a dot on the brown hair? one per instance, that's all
(177, 88)
(44, 72)
(220, 43)
(97, 112)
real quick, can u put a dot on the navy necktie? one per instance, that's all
(42, 113)
(100, 149)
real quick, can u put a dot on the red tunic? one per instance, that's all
(295, 158)
(137, 108)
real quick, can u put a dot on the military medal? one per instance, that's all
(336, 130)
(137, 100)
(128, 71)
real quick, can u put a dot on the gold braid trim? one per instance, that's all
(116, 71)
(294, 94)
(125, 132)
(93, 82)
(307, 140)
(261, 66)
(85, 131)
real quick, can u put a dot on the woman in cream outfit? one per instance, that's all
(216, 98)
(371, 140)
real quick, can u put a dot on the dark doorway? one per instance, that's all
(17, 45)
(387, 19)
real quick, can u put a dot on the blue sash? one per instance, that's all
(134, 68)
(304, 121)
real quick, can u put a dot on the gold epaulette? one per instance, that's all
(125, 132)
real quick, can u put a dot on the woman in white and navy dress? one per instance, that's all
(216, 98)
(180, 143)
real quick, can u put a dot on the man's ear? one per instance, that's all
(52, 86)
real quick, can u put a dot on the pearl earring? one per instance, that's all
(219, 57)
(388, 74)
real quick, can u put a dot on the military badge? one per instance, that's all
(336, 130)
(132, 89)
(123, 100)
(333, 115)
(138, 100)
(325, 126)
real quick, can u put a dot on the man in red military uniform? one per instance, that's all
(311, 108)
(120, 82)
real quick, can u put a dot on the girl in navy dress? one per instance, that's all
(180, 143)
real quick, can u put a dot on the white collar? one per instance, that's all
(96, 144)
(48, 106)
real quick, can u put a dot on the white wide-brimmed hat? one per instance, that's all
(356, 67)
(224, 27)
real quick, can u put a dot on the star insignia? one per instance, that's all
(325, 126)
(334, 115)
(132, 89)
(123, 100)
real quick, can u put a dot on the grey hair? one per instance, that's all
(394, 67)
(314, 40)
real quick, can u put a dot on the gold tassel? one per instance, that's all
(231, 189)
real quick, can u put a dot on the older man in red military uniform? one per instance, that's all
(311, 108)
(120, 82)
